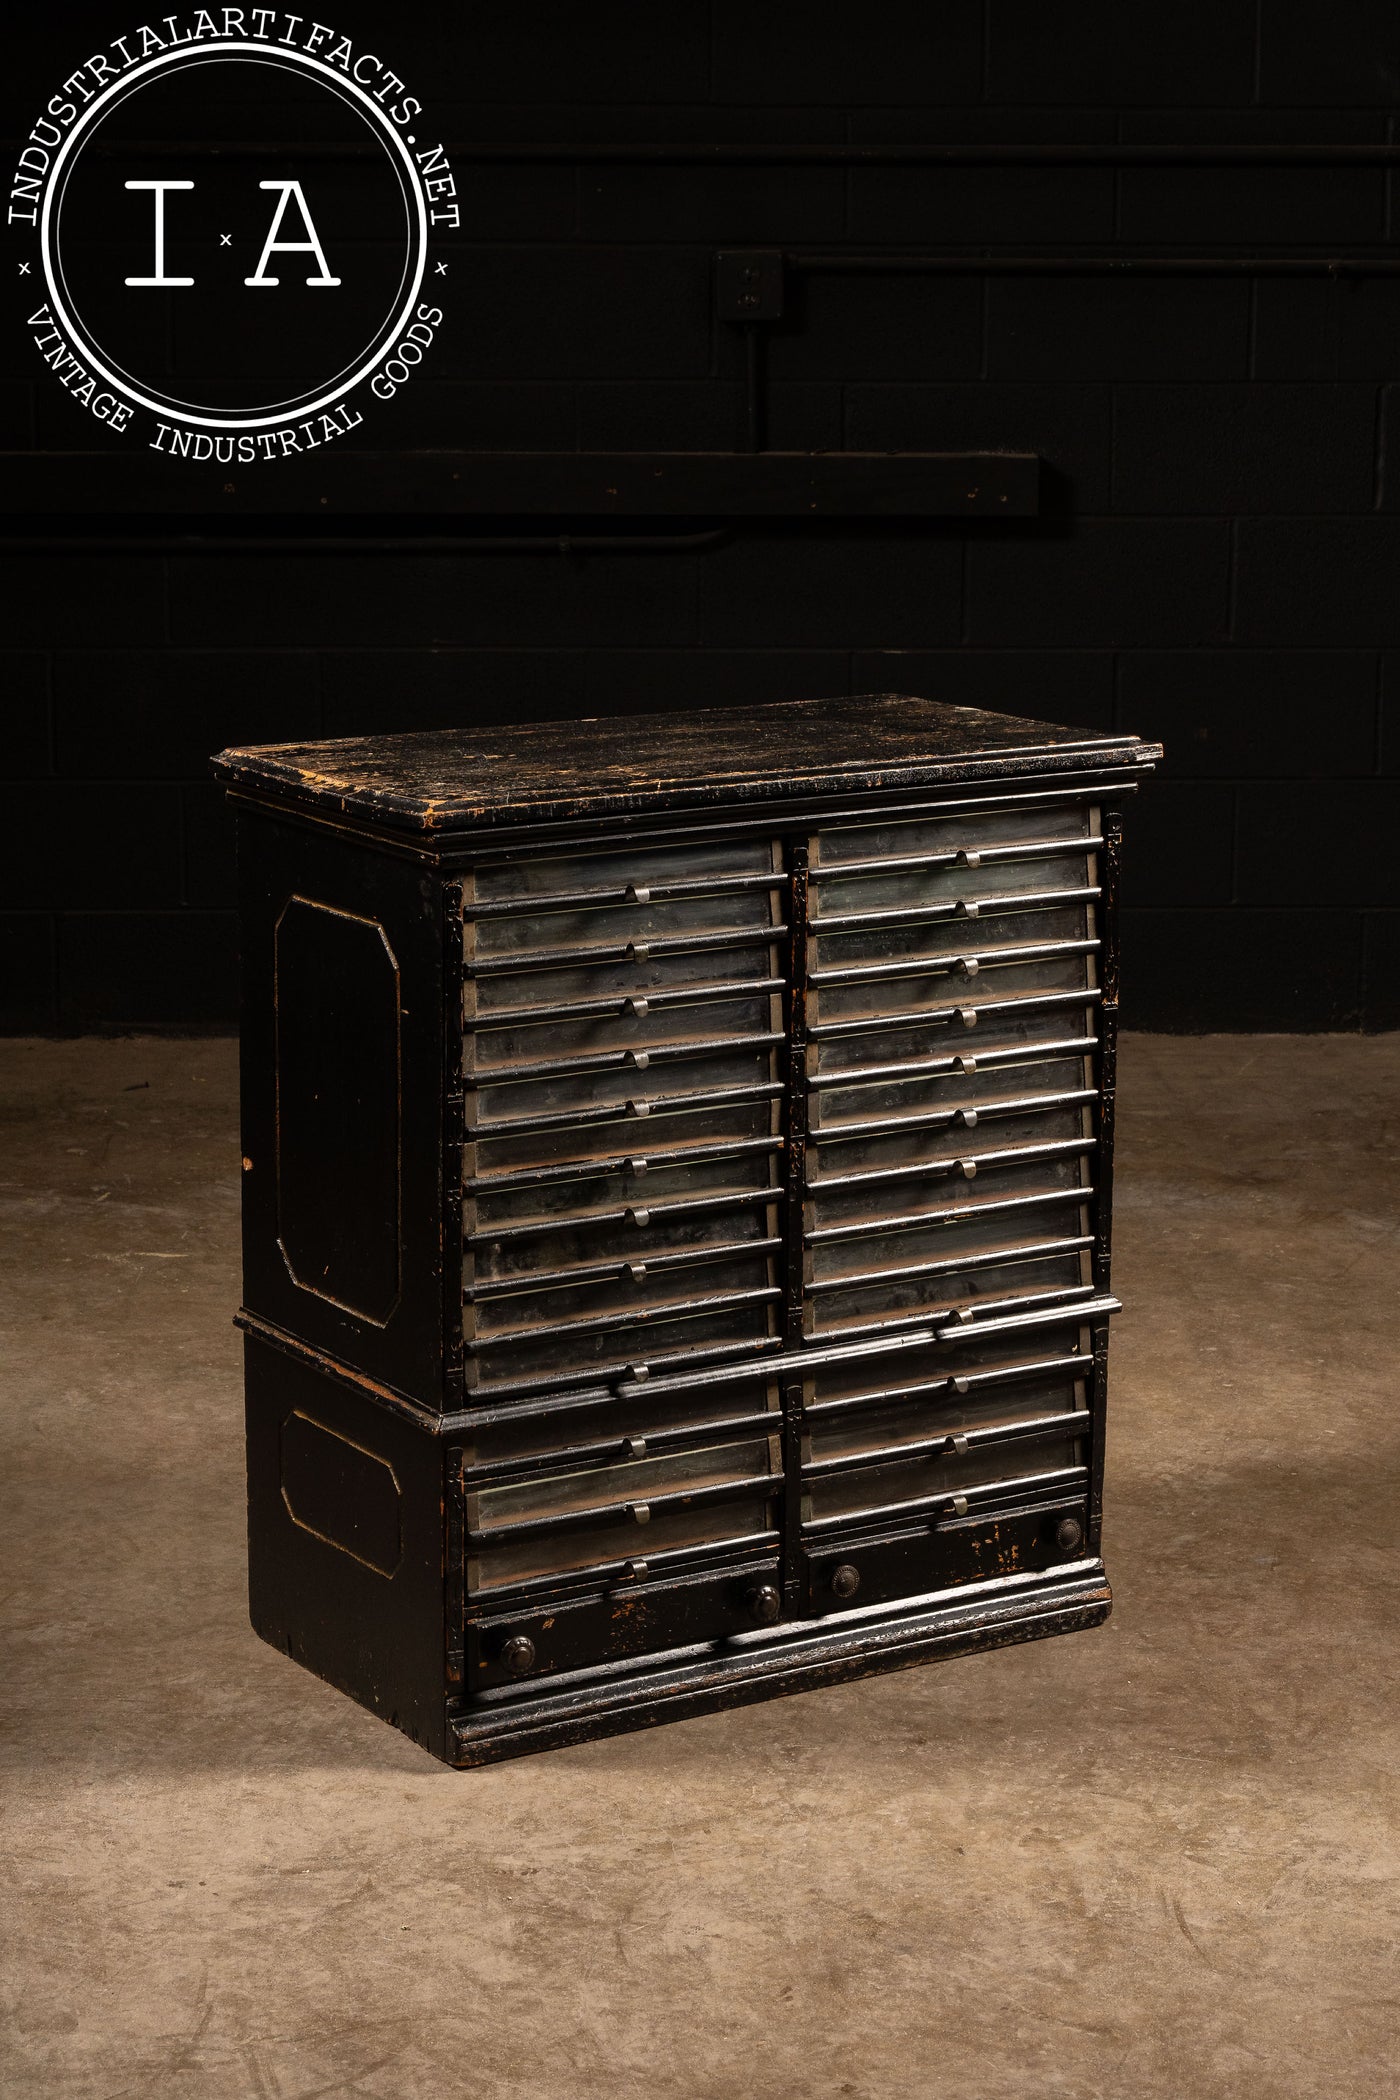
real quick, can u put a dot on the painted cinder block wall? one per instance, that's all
(1218, 565)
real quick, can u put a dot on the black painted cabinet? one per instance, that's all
(677, 1161)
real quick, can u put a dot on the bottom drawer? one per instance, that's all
(842, 1575)
(631, 1618)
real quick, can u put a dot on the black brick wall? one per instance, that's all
(1218, 566)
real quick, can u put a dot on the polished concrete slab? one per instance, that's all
(1153, 1862)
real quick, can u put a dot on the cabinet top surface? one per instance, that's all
(449, 780)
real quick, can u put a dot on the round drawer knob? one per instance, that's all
(765, 1603)
(1068, 1534)
(518, 1655)
(845, 1580)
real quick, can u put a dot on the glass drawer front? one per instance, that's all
(563, 1523)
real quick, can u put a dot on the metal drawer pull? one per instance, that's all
(639, 1058)
(966, 1167)
(637, 1271)
(639, 1373)
(965, 1065)
(966, 908)
(958, 1506)
(636, 896)
(958, 1444)
(636, 1447)
(966, 966)
(639, 1217)
(633, 1570)
(635, 1166)
(638, 951)
(964, 859)
(641, 1511)
(638, 1008)
(967, 1015)
(639, 1108)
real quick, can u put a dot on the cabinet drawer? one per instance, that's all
(984, 1544)
(550, 1525)
(1004, 835)
(984, 1080)
(631, 1617)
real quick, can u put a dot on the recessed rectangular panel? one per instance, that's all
(338, 1107)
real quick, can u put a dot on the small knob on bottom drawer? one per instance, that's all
(518, 1655)
(1068, 1534)
(845, 1580)
(764, 1603)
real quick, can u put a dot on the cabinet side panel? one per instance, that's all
(342, 1069)
(346, 1540)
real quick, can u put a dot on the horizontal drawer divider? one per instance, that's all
(619, 1450)
(951, 1444)
(746, 1359)
(947, 1214)
(1064, 1297)
(562, 1119)
(632, 1059)
(968, 1164)
(949, 1505)
(955, 965)
(985, 1258)
(956, 1066)
(767, 1485)
(519, 961)
(970, 1016)
(620, 1163)
(636, 1316)
(657, 1213)
(513, 1596)
(628, 893)
(939, 910)
(821, 1355)
(968, 1118)
(616, 1271)
(960, 857)
(953, 1386)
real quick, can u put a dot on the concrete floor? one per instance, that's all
(1156, 1860)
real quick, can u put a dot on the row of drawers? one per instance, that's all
(579, 1513)
(638, 1427)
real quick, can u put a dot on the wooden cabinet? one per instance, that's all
(677, 1160)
